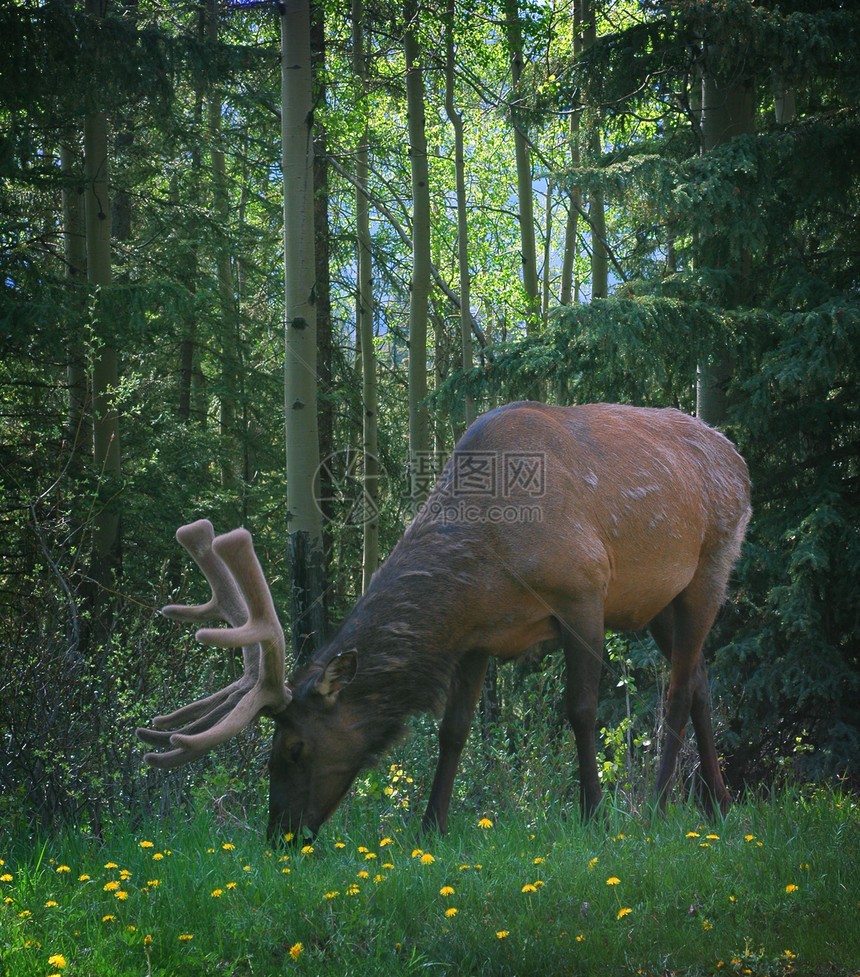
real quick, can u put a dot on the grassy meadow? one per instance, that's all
(774, 889)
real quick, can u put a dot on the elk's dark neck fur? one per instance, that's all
(406, 629)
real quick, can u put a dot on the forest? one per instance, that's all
(396, 216)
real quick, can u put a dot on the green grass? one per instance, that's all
(772, 890)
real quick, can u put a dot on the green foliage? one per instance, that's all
(746, 254)
(501, 894)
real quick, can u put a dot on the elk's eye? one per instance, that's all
(294, 751)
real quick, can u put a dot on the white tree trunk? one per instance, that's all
(419, 424)
(300, 381)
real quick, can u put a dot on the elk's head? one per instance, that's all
(318, 746)
(317, 750)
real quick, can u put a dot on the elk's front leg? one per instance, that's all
(453, 732)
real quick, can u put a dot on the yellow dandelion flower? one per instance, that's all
(228, 846)
(63, 868)
(446, 890)
(464, 868)
(353, 890)
(308, 850)
(147, 940)
(485, 823)
(580, 938)
(111, 865)
(121, 895)
(539, 861)
(713, 837)
(362, 849)
(109, 918)
(6, 877)
(613, 881)
(749, 837)
(451, 911)
(50, 904)
(624, 911)
(331, 895)
(370, 856)
(427, 858)
(158, 856)
(217, 893)
(131, 929)
(232, 885)
(146, 844)
(296, 950)
(791, 888)
(417, 852)
(378, 878)
(363, 874)
(111, 886)
(528, 887)
(693, 834)
(289, 836)
(339, 844)
(593, 862)
(384, 842)
(83, 878)
(388, 865)
(503, 934)
(707, 925)
(285, 871)
(125, 874)
(152, 883)
(184, 937)
(246, 868)
(25, 914)
(57, 960)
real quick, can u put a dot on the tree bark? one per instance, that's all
(229, 338)
(569, 292)
(325, 412)
(419, 423)
(728, 110)
(525, 189)
(78, 421)
(456, 119)
(307, 583)
(596, 202)
(364, 315)
(106, 427)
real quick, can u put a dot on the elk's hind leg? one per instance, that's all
(582, 638)
(680, 631)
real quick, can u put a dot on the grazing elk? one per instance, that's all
(548, 524)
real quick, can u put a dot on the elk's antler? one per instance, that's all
(241, 597)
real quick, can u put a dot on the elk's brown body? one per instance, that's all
(547, 524)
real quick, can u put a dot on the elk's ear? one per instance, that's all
(339, 672)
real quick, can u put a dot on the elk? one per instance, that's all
(547, 524)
